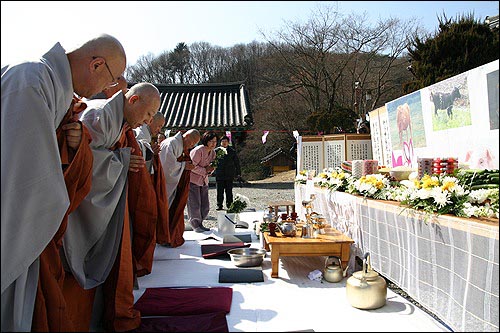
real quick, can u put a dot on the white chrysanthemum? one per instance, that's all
(440, 197)
(469, 210)
(398, 194)
(459, 190)
(422, 194)
(478, 196)
(300, 177)
(408, 183)
(335, 182)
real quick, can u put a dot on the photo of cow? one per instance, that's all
(450, 103)
(406, 122)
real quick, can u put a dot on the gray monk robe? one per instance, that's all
(34, 197)
(170, 149)
(94, 230)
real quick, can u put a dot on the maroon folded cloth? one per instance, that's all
(207, 322)
(184, 301)
(209, 251)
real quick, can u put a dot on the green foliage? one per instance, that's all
(458, 46)
(238, 205)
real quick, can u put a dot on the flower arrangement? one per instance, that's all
(440, 194)
(338, 180)
(436, 194)
(301, 177)
(375, 186)
(239, 204)
(220, 153)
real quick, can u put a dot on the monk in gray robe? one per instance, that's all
(170, 150)
(176, 164)
(98, 236)
(35, 98)
(146, 136)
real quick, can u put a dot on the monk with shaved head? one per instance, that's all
(111, 236)
(46, 173)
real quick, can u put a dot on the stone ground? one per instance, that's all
(279, 187)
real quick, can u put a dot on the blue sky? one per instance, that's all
(30, 28)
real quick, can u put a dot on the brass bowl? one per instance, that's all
(400, 174)
(247, 256)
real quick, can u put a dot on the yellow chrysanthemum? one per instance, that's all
(448, 186)
(429, 182)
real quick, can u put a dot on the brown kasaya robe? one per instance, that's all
(143, 212)
(53, 308)
(176, 210)
(136, 251)
(162, 225)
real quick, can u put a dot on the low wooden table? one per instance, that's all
(333, 243)
(286, 203)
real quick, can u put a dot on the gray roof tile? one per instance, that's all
(205, 106)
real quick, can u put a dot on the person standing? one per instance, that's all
(198, 203)
(146, 136)
(228, 168)
(38, 190)
(177, 166)
(110, 235)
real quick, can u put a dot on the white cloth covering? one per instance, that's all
(170, 149)
(289, 303)
(94, 229)
(35, 97)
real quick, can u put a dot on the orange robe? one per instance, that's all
(136, 251)
(143, 212)
(52, 310)
(176, 211)
(162, 225)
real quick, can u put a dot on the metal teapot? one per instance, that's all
(366, 289)
(334, 272)
(288, 228)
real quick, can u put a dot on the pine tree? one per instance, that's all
(458, 46)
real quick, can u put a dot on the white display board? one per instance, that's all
(457, 117)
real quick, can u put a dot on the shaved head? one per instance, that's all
(96, 64)
(191, 138)
(142, 103)
(156, 123)
(103, 45)
(145, 90)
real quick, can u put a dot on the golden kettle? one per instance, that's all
(366, 289)
(334, 272)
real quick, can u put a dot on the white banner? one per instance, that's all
(264, 137)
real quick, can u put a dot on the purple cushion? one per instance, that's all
(207, 322)
(184, 301)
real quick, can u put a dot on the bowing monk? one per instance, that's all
(146, 136)
(39, 187)
(98, 245)
(174, 157)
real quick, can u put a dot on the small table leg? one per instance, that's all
(275, 258)
(345, 250)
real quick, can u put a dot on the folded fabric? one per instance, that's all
(184, 301)
(207, 322)
(240, 275)
(210, 251)
(237, 238)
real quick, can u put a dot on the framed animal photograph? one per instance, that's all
(450, 105)
(406, 122)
